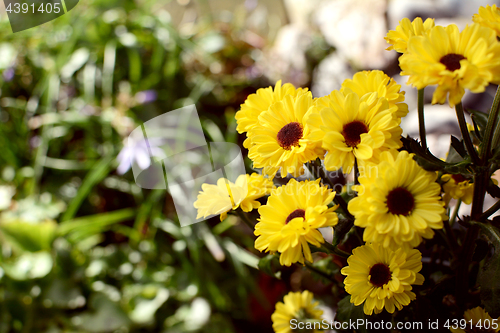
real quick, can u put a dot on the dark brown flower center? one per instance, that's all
(380, 274)
(452, 61)
(400, 201)
(352, 132)
(296, 213)
(289, 135)
(458, 178)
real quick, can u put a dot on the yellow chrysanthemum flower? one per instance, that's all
(478, 320)
(351, 127)
(453, 60)
(457, 187)
(226, 195)
(398, 202)
(281, 138)
(377, 81)
(405, 30)
(299, 306)
(382, 277)
(255, 104)
(291, 218)
(488, 16)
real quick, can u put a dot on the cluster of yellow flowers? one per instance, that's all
(357, 127)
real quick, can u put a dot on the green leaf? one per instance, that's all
(327, 266)
(489, 275)
(64, 294)
(29, 266)
(145, 309)
(341, 229)
(270, 265)
(459, 147)
(97, 174)
(480, 118)
(106, 317)
(83, 227)
(348, 312)
(429, 162)
(496, 154)
(32, 237)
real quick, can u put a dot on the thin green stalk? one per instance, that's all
(343, 205)
(465, 134)
(450, 235)
(464, 259)
(455, 212)
(492, 121)
(465, 256)
(356, 171)
(480, 183)
(490, 211)
(496, 138)
(335, 250)
(318, 271)
(421, 120)
(245, 219)
(338, 198)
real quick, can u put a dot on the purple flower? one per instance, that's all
(146, 96)
(8, 74)
(139, 152)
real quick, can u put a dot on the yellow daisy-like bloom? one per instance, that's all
(351, 127)
(377, 81)
(398, 202)
(480, 320)
(255, 104)
(291, 218)
(488, 16)
(281, 138)
(381, 277)
(226, 195)
(299, 306)
(457, 187)
(453, 60)
(405, 30)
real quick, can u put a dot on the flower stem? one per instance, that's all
(492, 121)
(464, 260)
(335, 250)
(496, 137)
(465, 134)
(338, 198)
(319, 272)
(480, 183)
(490, 211)
(356, 171)
(455, 212)
(450, 235)
(421, 120)
(465, 256)
(245, 219)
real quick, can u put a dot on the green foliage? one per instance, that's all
(84, 248)
(270, 265)
(347, 312)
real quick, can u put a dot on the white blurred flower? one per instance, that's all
(6, 194)
(139, 152)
